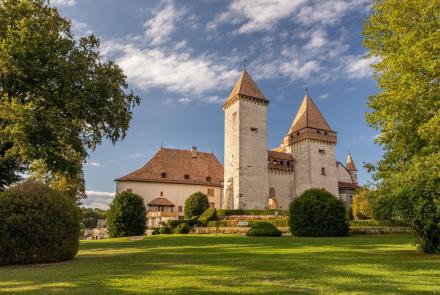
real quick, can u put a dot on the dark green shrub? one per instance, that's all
(317, 213)
(155, 231)
(263, 229)
(37, 225)
(210, 214)
(182, 228)
(126, 216)
(212, 223)
(173, 223)
(195, 205)
(165, 230)
(229, 212)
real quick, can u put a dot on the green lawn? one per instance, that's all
(198, 264)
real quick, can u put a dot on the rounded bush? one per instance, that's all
(210, 214)
(263, 229)
(37, 225)
(126, 216)
(195, 205)
(165, 230)
(182, 228)
(317, 213)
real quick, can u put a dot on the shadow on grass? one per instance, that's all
(381, 264)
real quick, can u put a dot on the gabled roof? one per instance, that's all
(309, 116)
(350, 164)
(161, 202)
(246, 86)
(175, 164)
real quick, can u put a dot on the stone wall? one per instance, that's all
(283, 183)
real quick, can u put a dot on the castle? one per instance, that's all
(258, 178)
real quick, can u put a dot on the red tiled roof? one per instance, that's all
(178, 163)
(348, 185)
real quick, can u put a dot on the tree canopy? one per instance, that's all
(405, 35)
(59, 98)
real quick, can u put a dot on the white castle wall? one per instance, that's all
(283, 183)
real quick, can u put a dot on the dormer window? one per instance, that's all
(208, 179)
(186, 176)
(163, 175)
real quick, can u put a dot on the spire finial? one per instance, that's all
(245, 64)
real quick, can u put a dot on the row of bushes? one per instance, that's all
(378, 223)
(282, 221)
(230, 212)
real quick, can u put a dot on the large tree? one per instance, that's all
(405, 35)
(58, 97)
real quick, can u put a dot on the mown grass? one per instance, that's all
(227, 264)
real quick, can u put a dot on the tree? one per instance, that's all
(405, 35)
(126, 216)
(317, 213)
(90, 217)
(361, 205)
(195, 205)
(58, 97)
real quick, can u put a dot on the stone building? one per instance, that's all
(170, 177)
(255, 177)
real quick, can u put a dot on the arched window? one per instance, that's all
(186, 176)
(163, 175)
(208, 179)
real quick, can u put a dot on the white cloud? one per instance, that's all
(185, 100)
(327, 12)
(318, 39)
(63, 2)
(80, 28)
(94, 164)
(160, 27)
(323, 96)
(99, 200)
(259, 15)
(359, 67)
(173, 71)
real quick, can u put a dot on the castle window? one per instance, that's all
(291, 136)
(288, 163)
(254, 129)
(210, 192)
(211, 205)
(322, 152)
(180, 208)
(297, 133)
(129, 190)
(163, 175)
(208, 179)
(317, 131)
(186, 176)
(161, 194)
(281, 163)
(323, 171)
(325, 132)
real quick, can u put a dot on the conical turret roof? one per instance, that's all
(309, 116)
(350, 164)
(246, 86)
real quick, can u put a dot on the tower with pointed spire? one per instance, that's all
(258, 178)
(245, 161)
(351, 167)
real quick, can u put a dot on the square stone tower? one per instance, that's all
(245, 162)
(312, 144)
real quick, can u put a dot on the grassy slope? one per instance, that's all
(363, 264)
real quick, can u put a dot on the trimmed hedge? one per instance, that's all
(210, 214)
(378, 223)
(173, 223)
(317, 213)
(37, 225)
(263, 229)
(165, 230)
(195, 205)
(182, 228)
(229, 212)
(126, 216)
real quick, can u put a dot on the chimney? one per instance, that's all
(194, 152)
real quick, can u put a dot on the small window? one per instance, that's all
(210, 192)
(323, 171)
(322, 151)
(291, 136)
(288, 163)
(186, 176)
(317, 131)
(208, 179)
(129, 190)
(211, 205)
(254, 129)
(180, 208)
(297, 133)
(281, 162)
(164, 175)
(161, 194)
(325, 132)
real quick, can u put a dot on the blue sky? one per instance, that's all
(183, 57)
